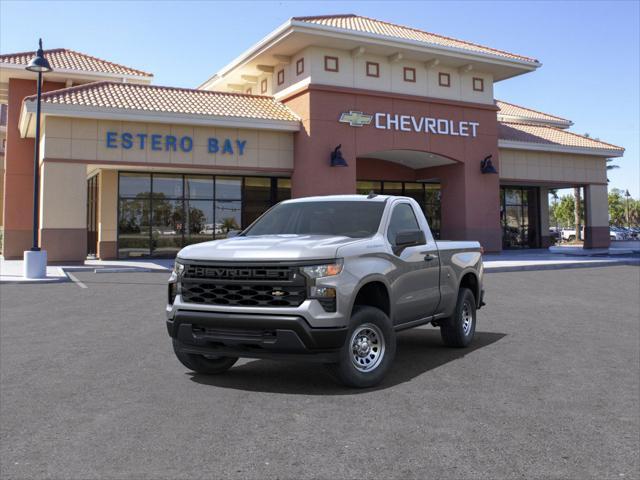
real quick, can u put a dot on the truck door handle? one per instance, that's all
(429, 257)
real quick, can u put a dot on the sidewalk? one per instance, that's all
(507, 261)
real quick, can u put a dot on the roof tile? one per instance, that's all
(512, 110)
(153, 98)
(370, 25)
(65, 59)
(546, 135)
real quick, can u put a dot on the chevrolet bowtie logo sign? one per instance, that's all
(356, 119)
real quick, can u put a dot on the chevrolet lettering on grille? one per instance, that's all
(238, 273)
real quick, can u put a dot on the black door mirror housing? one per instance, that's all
(409, 238)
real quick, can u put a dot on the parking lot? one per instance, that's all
(90, 388)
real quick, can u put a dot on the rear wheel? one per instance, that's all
(369, 349)
(459, 329)
(202, 364)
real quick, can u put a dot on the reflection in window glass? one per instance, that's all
(167, 186)
(167, 226)
(228, 188)
(284, 189)
(392, 188)
(365, 188)
(133, 228)
(199, 221)
(415, 191)
(228, 217)
(198, 187)
(256, 198)
(135, 185)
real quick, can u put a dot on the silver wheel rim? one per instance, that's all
(467, 318)
(366, 347)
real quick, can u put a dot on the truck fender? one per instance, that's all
(374, 277)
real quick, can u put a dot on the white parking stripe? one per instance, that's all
(75, 280)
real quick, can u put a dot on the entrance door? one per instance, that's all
(520, 217)
(92, 216)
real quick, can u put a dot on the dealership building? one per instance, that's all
(322, 105)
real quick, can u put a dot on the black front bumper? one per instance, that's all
(255, 336)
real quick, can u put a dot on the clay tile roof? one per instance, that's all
(546, 135)
(517, 111)
(152, 98)
(369, 25)
(65, 59)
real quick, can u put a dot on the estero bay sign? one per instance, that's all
(411, 123)
(171, 143)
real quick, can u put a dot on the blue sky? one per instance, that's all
(589, 50)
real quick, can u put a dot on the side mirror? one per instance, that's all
(409, 238)
(233, 233)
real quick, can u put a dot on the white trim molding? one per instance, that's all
(546, 147)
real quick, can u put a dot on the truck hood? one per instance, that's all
(267, 247)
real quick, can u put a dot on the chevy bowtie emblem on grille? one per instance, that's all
(278, 293)
(355, 119)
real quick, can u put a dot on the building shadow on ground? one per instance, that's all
(419, 351)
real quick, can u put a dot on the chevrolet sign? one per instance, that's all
(410, 123)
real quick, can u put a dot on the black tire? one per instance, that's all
(202, 364)
(376, 354)
(454, 331)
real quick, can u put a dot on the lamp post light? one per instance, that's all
(627, 195)
(35, 260)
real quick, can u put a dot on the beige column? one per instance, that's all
(545, 237)
(107, 214)
(63, 211)
(597, 216)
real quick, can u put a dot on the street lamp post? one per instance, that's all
(35, 260)
(627, 195)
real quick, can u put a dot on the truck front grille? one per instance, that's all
(243, 294)
(247, 286)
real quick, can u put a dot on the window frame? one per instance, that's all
(444, 75)
(300, 66)
(327, 59)
(280, 76)
(372, 64)
(405, 70)
(480, 82)
(263, 86)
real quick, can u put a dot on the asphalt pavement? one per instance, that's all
(90, 389)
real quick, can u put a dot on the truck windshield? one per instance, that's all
(356, 219)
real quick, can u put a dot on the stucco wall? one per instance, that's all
(525, 165)
(80, 139)
(352, 73)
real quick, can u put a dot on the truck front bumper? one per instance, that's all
(254, 336)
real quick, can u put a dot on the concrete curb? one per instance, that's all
(560, 266)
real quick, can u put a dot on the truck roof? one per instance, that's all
(343, 198)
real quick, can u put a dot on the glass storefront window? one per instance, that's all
(167, 186)
(256, 198)
(365, 188)
(415, 191)
(228, 216)
(135, 185)
(228, 188)
(133, 228)
(519, 217)
(283, 191)
(198, 187)
(160, 213)
(392, 188)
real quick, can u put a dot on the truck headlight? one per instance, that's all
(324, 270)
(178, 268)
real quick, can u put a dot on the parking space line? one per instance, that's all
(75, 280)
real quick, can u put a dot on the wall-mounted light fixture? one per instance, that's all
(486, 166)
(337, 160)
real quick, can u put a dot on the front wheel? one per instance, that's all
(202, 364)
(369, 349)
(458, 331)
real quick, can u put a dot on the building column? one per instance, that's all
(596, 203)
(470, 204)
(543, 210)
(63, 211)
(107, 215)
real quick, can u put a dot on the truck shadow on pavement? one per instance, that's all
(419, 351)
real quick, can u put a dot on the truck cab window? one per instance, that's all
(402, 218)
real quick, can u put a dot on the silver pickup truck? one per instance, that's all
(330, 279)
